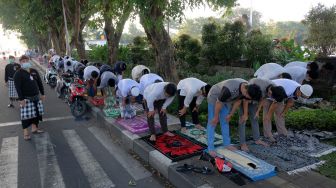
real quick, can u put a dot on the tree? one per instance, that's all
(135, 31)
(152, 15)
(188, 50)
(321, 23)
(193, 27)
(259, 48)
(209, 39)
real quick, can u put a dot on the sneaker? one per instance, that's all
(10, 106)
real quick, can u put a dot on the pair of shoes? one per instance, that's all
(37, 131)
(10, 106)
(189, 168)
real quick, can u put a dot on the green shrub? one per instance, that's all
(187, 50)
(311, 119)
(98, 53)
(259, 48)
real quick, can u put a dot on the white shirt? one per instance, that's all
(105, 77)
(298, 74)
(190, 88)
(156, 92)
(137, 72)
(269, 71)
(68, 68)
(297, 63)
(289, 86)
(125, 86)
(147, 80)
(88, 70)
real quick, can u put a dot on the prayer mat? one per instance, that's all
(200, 135)
(304, 144)
(112, 112)
(175, 147)
(171, 120)
(252, 167)
(285, 159)
(135, 125)
(97, 101)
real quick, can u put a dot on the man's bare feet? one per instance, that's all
(244, 147)
(212, 153)
(183, 130)
(169, 133)
(260, 142)
(152, 138)
(232, 148)
(199, 126)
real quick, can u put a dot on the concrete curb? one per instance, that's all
(132, 142)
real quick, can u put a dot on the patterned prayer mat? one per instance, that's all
(176, 147)
(97, 101)
(135, 125)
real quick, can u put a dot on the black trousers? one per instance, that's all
(192, 105)
(163, 117)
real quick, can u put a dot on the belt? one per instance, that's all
(10, 79)
(33, 98)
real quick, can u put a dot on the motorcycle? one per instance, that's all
(51, 77)
(76, 99)
(63, 88)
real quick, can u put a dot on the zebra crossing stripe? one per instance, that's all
(91, 168)
(50, 173)
(9, 162)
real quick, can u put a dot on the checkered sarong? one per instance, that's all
(29, 111)
(11, 89)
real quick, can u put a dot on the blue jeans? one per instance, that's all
(224, 125)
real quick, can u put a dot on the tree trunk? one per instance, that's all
(55, 41)
(159, 38)
(113, 34)
(80, 45)
(62, 40)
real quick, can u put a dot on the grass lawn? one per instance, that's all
(329, 168)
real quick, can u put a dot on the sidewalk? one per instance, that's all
(166, 167)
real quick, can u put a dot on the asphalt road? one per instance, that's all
(69, 154)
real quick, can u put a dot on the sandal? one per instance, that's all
(203, 170)
(37, 131)
(185, 168)
(26, 137)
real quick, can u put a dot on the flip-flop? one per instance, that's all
(38, 131)
(203, 170)
(27, 137)
(185, 168)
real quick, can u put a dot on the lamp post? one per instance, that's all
(67, 46)
(251, 14)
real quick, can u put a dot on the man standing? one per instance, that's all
(293, 91)
(220, 98)
(10, 70)
(29, 87)
(191, 92)
(158, 96)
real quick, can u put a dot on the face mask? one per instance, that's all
(11, 60)
(26, 65)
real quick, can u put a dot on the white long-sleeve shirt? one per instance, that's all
(297, 64)
(269, 71)
(125, 86)
(137, 72)
(190, 88)
(289, 86)
(156, 92)
(88, 70)
(297, 73)
(147, 80)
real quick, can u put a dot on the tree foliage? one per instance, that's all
(188, 50)
(321, 23)
(259, 48)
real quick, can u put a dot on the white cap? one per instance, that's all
(135, 91)
(306, 90)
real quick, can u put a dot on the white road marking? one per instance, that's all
(50, 172)
(44, 120)
(91, 168)
(132, 166)
(9, 162)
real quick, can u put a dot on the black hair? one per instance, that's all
(94, 74)
(68, 63)
(170, 89)
(84, 61)
(286, 75)
(254, 91)
(313, 74)
(123, 66)
(278, 93)
(313, 66)
(157, 81)
(145, 71)
(205, 89)
(328, 66)
(111, 82)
